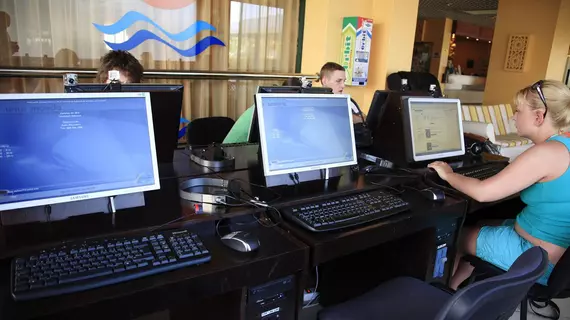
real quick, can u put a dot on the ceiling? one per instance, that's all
(456, 10)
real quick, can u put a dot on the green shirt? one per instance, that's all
(240, 130)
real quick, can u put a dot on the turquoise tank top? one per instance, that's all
(547, 212)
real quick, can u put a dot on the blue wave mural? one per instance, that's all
(133, 17)
(141, 36)
(144, 35)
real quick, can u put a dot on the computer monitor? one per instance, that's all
(166, 103)
(253, 135)
(377, 108)
(293, 89)
(123, 87)
(305, 132)
(433, 128)
(57, 148)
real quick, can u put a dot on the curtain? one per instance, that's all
(258, 36)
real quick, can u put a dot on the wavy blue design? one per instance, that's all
(144, 35)
(132, 17)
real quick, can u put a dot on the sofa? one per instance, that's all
(495, 123)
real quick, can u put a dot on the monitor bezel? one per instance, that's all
(99, 194)
(263, 139)
(409, 125)
(125, 87)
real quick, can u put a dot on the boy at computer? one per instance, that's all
(332, 75)
(129, 68)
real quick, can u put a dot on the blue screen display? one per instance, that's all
(303, 132)
(62, 147)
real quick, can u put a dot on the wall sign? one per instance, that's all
(355, 49)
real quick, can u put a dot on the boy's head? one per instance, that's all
(130, 69)
(333, 76)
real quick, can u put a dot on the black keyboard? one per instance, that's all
(79, 266)
(482, 172)
(345, 211)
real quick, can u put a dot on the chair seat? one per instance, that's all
(392, 300)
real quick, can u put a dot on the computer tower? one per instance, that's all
(273, 300)
(441, 266)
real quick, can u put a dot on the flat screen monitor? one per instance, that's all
(292, 89)
(305, 132)
(253, 135)
(377, 108)
(432, 128)
(57, 148)
(123, 87)
(166, 103)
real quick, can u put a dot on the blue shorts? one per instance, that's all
(502, 245)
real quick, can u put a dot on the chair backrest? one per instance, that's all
(417, 81)
(497, 297)
(204, 131)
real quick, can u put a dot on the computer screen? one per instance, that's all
(57, 148)
(124, 87)
(434, 128)
(292, 89)
(303, 132)
(166, 104)
(253, 134)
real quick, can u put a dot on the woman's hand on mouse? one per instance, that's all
(442, 169)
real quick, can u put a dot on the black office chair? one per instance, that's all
(409, 298)
(540, 296)
(205, 131)
(417, 81)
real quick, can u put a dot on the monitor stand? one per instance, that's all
(62, 211)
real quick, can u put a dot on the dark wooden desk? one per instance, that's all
(229, 271)
(285, 250)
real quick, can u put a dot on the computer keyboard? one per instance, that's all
(83, 265)
(483, 171)
(345, 211)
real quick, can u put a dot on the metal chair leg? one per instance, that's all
(524, 308)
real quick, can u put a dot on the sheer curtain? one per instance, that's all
(259, 36)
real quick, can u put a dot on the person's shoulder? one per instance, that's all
(548, 150)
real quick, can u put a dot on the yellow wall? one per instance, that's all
(560, 44)
(392, 38)
(547, 26)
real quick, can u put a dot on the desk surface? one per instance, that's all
(284, 250)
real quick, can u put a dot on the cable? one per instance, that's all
(316, 288)
(387, 187)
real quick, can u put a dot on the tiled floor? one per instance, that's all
(311, 313)
(564, 311)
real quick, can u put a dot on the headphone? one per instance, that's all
(476, 148)
(209, 190)
(213, 156)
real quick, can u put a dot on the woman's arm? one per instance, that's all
(531, 166)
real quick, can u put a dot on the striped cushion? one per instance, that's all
(501, 117)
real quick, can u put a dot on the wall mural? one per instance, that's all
(132, 17)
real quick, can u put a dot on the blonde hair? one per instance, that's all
(557, 96)
(327, 69)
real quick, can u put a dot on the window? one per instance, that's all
(245, 36)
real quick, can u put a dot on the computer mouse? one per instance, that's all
(241, 241)
(433, 194)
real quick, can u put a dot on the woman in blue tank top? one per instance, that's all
(541, 175)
